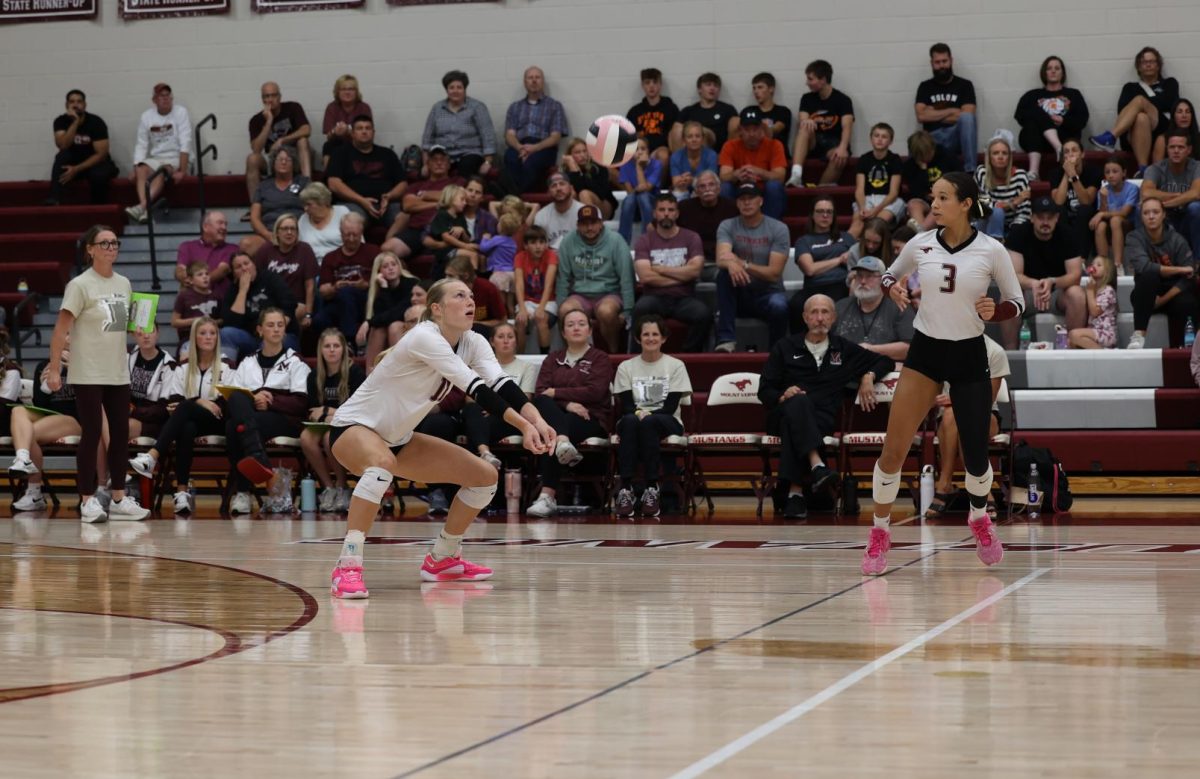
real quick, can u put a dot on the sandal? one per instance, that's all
(939, 504)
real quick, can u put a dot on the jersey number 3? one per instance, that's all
(951, 272)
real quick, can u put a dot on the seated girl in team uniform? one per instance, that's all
(335, 379)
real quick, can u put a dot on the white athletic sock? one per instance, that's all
(884, 522)
(23, 454)
(446, 545)
(976, 514)
(352, 548)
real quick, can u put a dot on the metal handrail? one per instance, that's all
(18, 338)
(155, 284)
(204, 150)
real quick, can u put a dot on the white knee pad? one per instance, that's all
(373, 484)
(980, 486)
(884, 486)
(478, 498)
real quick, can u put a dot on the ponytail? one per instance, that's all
(966, 188)
(981, 208)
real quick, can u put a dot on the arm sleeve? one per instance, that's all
(625, 402)
(1135, 252)
(1182, 257)
(184, 132)
(315, 399)
(595, 389)
(1027, 113)
(671, 403)
(1077, 117)
(624, 265)
(903, 265)
(330, 119)
(228, 317)
(74, 299)
(1012, 299)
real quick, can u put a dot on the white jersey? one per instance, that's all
(414, 376)
(952, 280)
(289, 374)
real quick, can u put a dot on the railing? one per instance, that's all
(203, 151)
(18, 337)
(155, 284)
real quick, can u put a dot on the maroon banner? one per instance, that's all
(437, 2)
(12, 11)
(270, 6)
(156, 9)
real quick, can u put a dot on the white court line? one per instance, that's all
(843, 684)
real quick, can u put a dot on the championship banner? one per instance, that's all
(437, 2)
(270, 6)
(12, 11)
(157, 9)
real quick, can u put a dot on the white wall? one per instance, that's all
(591, 51)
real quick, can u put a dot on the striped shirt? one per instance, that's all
(469, 130)
(536, 120)
(1017, 183)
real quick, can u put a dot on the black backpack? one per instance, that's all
(1052, 477)
(411, 161)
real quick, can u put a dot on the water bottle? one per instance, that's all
(1189, 334)
(926, 488)
(23, 287)
(1026, 336)
(308, 494)
(512, 490)
(1035, 492)
(1060, 337)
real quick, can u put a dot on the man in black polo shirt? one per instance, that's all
(82, 141)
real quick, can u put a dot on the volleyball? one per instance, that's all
(612, 140)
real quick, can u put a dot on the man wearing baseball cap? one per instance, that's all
(1049, 265)
(559, 218)
(869, 318)
(595, 275)
(755, 157)
(752, 249)
(164, 140)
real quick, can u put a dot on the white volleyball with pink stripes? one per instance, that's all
(612, 140)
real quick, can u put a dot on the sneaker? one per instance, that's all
(92, 511)
(30, 501)
(624, 503)
(544, 506)
(143, 465)
(185, 502)
(347, 582)
(127, 508)
(650, 507)
(328, 502)
(22, 465)
(987, 543)
(492, 460)
(240, 504)
(567, 454)
(137, 214)
(104, 495)
(820, 477)
(438, 505)
(342, 504)
(795, 507)
(874, 561)
(453, 569)
(725, 346)
(1136, 341)
(1105, 140)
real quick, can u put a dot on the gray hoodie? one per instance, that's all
(1142, 254)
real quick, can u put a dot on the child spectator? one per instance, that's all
(877, 181)
(640, 178)
(1115, 205)
(501, 250)
(925, 164)
(448, 234)
(535, 270)
(197, 299)
(1101, 332)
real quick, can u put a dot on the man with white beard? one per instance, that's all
(869, 318)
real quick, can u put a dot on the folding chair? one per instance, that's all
(728, 434)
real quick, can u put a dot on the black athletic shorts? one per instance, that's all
(335, 432)
(953, 361)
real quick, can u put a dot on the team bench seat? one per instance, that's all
(1143, 408)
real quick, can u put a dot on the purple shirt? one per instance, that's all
(212, 256)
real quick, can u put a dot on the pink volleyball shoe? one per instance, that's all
(987, 543)
(453, 569)
(874, 560)
(347, 582)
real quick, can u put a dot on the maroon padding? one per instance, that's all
(48, 278)
(1177, 409)
(1120, 451)
(59, 219)
(1177, 368)
(53, 247)
(223, 191)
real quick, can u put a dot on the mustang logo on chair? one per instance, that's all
(741, 384)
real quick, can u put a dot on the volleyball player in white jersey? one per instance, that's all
(373, 436)
(955, 264)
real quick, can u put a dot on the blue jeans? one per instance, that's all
(773, 197)
(235, 338)
(639, 206)
(960, 138)
(345, 311)
(769, 305)
(993, 225)
(1186, 222)
(525, 174)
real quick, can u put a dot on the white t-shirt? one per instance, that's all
(162, 137)
(328, 238)
(98, 335)
(524, 373)
(651, 382)
(558, 225)
(817, 350)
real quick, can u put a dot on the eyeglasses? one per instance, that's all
(109, 245)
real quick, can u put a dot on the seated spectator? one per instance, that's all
(480, 221)
(876, 241)
(776, 119)
(1050, 115)
(1163, 269)
(321, 224)
(591, 182)
(877, 179)
(193, 410)
(720, 120)
(1074, 190)
(196, 300)
(369, 179)
(1143, 109)
(945, 107)
(535, 277)
(511, 204)
(754, 158)
(30, 429)
(561, 217)
(639, 177)
(667, 260)
(691, 160)
(82, 142)
(347, 103)
(944, 491)
(824, 126)
(388, 297)
(1008, 188)
(1183, 117)
(335, 379)
(653, 117)
(253, 292)
(649, 388)
(500, 252)
(293, 261)
(273, 198)
(533, 126)
(1101, 293)
(802, 388)
(595, 275)
(1176, 182)
(151, 373)
(462, 126)
(421, 204)
(164, 140)
(1114, 219)
(703, 215)
(572, 395)
(925, 164)
(751, 251)
(448, 236)
(211, 249)
(344, 279)
(485, 430)
(869, 318)
(489, 303)
(1049, 267)
(280, 123)
(276, 404)
(822, 254)
(10, 382)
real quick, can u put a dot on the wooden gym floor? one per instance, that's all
(730, 648)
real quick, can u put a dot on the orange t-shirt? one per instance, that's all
(768, 156)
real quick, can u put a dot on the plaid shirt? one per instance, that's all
(536, 120)
(467, 131)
